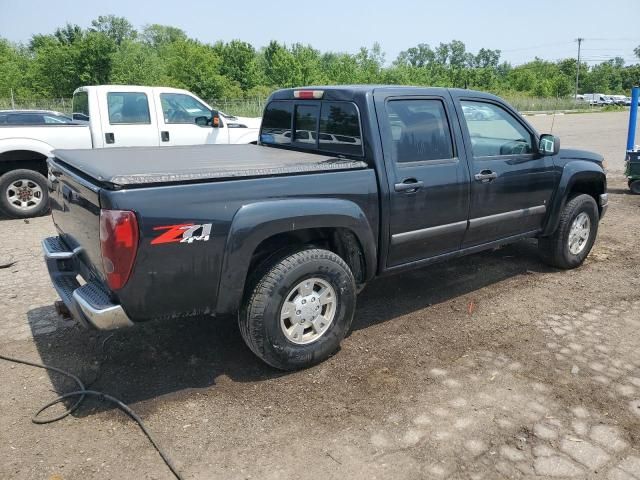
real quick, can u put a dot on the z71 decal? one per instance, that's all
(183, 233)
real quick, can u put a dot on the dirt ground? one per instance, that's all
(492, 366)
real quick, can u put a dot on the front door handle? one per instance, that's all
(409, 185)
(485, 176)
(164, 135)
(109, 138)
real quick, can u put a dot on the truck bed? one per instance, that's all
(143, 166)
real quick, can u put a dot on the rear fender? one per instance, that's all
(26, 144)
(257, 222)
(574, 173)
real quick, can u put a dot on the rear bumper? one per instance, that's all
(88, 303)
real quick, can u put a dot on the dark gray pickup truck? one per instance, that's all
(347, 183)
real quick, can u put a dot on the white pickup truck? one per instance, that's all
(107, 116)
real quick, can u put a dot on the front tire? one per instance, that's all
(23, 194)
(570, 244)
(634, 186)
(298, 311)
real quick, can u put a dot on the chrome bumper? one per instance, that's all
(88, 303)
(604, 204)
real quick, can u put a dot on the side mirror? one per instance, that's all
(549, 144)
(213, 120)
(202, 121)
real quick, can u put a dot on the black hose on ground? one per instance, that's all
(82, 393)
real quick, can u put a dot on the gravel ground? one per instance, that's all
(492, 366)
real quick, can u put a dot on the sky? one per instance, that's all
(521, 29)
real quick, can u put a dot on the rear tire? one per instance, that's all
(23, 194)
(634, 186)
(572, 241)
(299, 309)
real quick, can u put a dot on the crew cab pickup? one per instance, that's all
(108, 116)
(346, 184)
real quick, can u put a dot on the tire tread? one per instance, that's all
(551, 248)
(264, 281)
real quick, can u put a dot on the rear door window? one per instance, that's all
(420, 130)
(128, 108)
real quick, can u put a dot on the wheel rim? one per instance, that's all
(579, 233)
(24, 194)
(308, 311)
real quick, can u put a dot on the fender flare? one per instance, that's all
(576, 171)
(29, 144)
(254, 223)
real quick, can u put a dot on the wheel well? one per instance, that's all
(341, 241)
(593, 188)
(23, 159)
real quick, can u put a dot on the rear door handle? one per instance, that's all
(409, 185)
(485, 176)
(164, 136)
(109, 138)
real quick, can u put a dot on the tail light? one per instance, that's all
(118, 244)
(308, 94)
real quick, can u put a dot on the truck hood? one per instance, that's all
(574, 154)
(248, 122)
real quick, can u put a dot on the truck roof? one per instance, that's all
(128, 88)
(349, 92)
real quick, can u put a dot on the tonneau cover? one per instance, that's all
(148, 165)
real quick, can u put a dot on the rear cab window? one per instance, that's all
(325, 126)
(80, 106)
(276, 123)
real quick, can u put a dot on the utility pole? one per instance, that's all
(579, 40)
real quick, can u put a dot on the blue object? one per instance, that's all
(633, 119)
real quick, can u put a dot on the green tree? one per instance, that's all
(136, 63)
(239, 63)
(15, 69)
(419, 56)
(55, 71)
(159, 35)
(308, 61)
(280, 66)
(68, 34)
(196, 67)
(93, 58)
(369, 64)
(119, 29)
